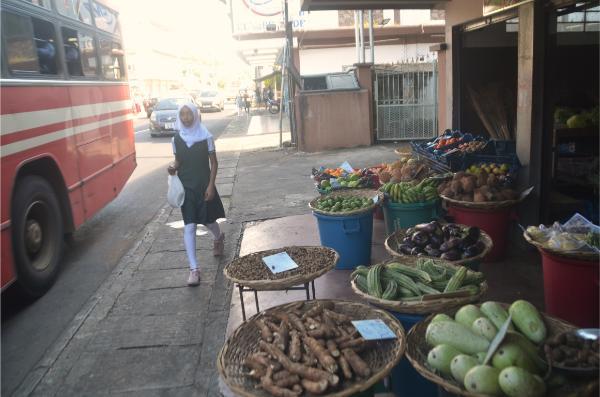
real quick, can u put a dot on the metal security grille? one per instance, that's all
(406, 101)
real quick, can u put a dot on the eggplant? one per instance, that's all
(410, 231)
(451, 255)
(416, 251)
(466, 242)
(480, 246)
(431, 251)
(435, 240)
(444, 247)
(405, 249)
(427, 227)
(406, 240)
(453, 242)
(420, 238)
(471, 251)
(474, 232)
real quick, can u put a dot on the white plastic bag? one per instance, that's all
(176, 192)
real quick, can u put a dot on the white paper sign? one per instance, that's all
(373, 329)
(376, 199)
(280, 262)
(346, 167)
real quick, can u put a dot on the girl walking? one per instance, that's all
(196, 165)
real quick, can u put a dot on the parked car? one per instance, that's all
(210, 99)
(149, 104)
(164, 115)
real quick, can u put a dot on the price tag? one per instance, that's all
(373, 329)
(346, 167)
(280, 262)
(376, 198)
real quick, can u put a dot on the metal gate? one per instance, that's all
(406, 101)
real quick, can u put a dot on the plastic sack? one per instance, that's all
(176, 192)
(577, 234)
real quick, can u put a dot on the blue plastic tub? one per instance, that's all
(350, 236)
(406, 381)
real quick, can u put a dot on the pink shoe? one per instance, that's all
(194, 278)
(219, 245)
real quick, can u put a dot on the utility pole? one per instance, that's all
(289, 63)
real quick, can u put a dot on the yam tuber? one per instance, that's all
(257, 373)
(265, 332)
(322, 354)
(281, 374)
(356, 344)
(287, 381)
(256, 361)
(311, 323)
(284, 336)
(303, 371)
(359, 366)
(345, 367)
(267, 384)
(272, 326)
(338, 318)
(314, 387)
(332, 347)
(316, 310)
(296, 322)
(295, 351)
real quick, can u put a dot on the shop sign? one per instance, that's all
(493, 6)
(255, 16)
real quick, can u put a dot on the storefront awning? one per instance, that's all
(318, 5)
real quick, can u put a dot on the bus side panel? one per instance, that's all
(7, 270)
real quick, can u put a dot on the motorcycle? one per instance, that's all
(273, 105)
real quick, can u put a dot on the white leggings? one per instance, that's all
(189, 240)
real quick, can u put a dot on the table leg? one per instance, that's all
(306, 287)
(241, 289)
(256, 301)
(313, 289)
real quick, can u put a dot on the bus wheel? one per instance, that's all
(37, 235)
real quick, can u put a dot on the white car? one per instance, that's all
(210, 99)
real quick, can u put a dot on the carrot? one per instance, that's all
(315, 387)
(295, 351)
(322, 354)
(265, 332)
(358, 365)
(333, 349)
(345, 367)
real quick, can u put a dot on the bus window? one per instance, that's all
(80, 54)
(78, 10)
(40, 3)
(30, 44)
(111, 56)
(45, 41)
(106, 19)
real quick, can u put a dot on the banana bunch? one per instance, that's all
(410, 192)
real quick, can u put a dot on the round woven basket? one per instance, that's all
(419, 306)
(577, 255)
(396, 238)
(286, 279)
(381, 358)
(487, 205)
(360, 193)
(417, 350)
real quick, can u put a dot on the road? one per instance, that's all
(30, 328)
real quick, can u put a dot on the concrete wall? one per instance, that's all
(327, 60)
(332, 120)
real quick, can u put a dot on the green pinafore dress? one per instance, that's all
(194, 173)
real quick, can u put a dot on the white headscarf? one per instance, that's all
(197, 132)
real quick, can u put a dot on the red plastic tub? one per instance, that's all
(494, 222)
(571, 289)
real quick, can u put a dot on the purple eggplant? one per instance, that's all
(410, 231)
(435, 240)
(453, 242)
(406, 240)
(471, 251)
(405, 249)
(416, 251)
(420, 238)
(444, 247)
(431, 251)
(451, 255)
(473, 233)
(427, 227)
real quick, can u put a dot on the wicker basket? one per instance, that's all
(244, 341)
(394, 239)
(487, 205)
(577, 255)
(290, 278)
(419, 306)
(417, 350)
(360, 193)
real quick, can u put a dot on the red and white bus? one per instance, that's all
(66, 130)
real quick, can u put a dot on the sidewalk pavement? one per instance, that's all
(144, 332)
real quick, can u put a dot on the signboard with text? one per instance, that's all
(256, 16)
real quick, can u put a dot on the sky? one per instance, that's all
(196, 27)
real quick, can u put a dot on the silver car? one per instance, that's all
(210, 99)
(164, 115)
